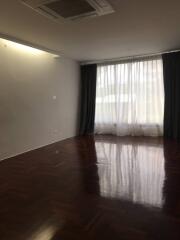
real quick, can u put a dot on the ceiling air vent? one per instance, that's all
(61, 10)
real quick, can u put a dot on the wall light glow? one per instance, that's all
(25, 48)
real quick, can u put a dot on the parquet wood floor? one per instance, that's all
(88, 187)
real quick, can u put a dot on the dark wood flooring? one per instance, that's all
(86, 188)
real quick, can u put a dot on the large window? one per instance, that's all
(130, 98)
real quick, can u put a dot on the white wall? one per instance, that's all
(38, 99)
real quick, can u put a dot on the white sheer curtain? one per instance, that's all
(130, 98)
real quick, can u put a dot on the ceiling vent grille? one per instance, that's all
(61, 10)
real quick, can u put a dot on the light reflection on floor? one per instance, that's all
(131, 172)
(44, 233)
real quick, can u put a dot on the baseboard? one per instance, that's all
(36, 148)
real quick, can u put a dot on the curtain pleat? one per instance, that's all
(130, 98)
(171, 67)
(88, 95)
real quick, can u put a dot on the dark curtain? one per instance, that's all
(171, 68)
(88, 97)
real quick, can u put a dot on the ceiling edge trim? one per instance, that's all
(40, 47)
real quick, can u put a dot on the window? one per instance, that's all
(130, 98)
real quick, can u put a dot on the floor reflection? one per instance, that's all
(132, 172)
(44, 233)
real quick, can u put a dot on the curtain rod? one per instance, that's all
(104, 61)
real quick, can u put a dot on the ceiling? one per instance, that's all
(137, 27)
